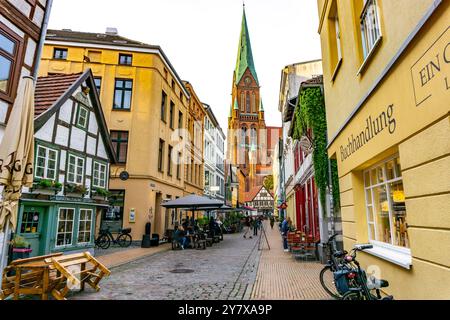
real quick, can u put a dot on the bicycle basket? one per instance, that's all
(126, 231)
(341, 282)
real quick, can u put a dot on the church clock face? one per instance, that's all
(247, 81)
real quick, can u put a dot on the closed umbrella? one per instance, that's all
(16, 158)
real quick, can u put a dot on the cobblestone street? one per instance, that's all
(234, 269)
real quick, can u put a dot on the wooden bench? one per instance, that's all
(33, 276)
(77, 270)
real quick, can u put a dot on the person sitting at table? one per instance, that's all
(180, 237)
(187, 231)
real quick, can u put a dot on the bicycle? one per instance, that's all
(105, 238)
(334, 264)
(362, 287)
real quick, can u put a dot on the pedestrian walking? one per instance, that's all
(255, 226)
(247, 225)
(285, 226)
(272, 222)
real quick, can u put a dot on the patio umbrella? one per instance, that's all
(193, 202)
(16, 157)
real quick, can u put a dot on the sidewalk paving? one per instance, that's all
(281, 277)
(119, 258)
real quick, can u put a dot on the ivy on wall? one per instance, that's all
(310, 114)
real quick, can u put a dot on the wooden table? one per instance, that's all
(32, 277)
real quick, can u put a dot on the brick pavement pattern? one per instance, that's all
(225, 271)
(282, 277)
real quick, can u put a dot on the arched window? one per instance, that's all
(247, 102)
(253, 138)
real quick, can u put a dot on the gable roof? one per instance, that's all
(49, 89)
(51, 93)
(249, 196)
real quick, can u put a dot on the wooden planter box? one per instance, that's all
(98, 197)
(74, 194)
(45, 191)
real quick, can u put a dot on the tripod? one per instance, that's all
(263, 231)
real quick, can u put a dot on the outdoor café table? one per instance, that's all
(35, 272)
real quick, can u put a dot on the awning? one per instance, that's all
(193, 202)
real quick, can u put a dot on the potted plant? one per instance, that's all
(47, 187)
(21, 248)
(74, 190)
(100, 194)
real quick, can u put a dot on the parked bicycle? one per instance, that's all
(334, 267)
(362, 287)
(105, 238)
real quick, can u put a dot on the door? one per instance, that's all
(31, 227)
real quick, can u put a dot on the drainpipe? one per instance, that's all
(37, 58)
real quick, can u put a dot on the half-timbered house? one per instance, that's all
(73, 153)
(260, 199)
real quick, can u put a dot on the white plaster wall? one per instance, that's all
(66, 111)
(16, 30)
(91, 145)
(101, 150)
(77, 139)
(38, 16)
(2, 132)
(46, 131)
(87, 185)
(61, 179)
(62, 136)
(31, 50)
(3, 111)
(62, 160)
(89, 166)
(22, 6)
(93, 126)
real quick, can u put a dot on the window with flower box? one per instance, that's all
(75, 169)
(46, 162)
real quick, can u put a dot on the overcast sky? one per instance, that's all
(200, 38)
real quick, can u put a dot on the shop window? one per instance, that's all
(65, 227)
(123, 91)
(30, 222)
(75, 170)
(99, 175)
(46, 160)
(60, 54)
(84, 226)
(385, 204)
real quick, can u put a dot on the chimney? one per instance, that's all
(112, 31)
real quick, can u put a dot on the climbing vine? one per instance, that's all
(310, 114)
(335, 184)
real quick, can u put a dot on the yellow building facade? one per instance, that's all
(386, 79)
(145, 105)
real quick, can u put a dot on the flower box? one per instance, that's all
(46, 191)
(74, 194)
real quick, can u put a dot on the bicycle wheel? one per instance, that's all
(103, 242)
(327, 282)
(124, 240)
(351, 295)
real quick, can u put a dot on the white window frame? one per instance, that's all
(102, 183)
(75, 167)
(46, 167)
(79, 224)
(80, 107)
(387, 251)
(370, 27)
(65, 232)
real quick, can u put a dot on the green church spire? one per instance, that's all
(245, 56)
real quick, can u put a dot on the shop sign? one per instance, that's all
(431, 72)
(374, 125)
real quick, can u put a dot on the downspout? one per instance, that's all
(40, 47)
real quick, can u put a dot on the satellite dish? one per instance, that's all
(124, 176)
